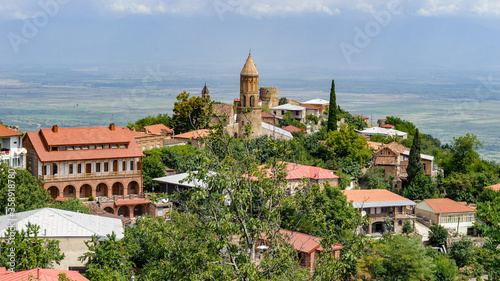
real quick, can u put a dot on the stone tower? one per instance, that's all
(205, 92)
(249, 112)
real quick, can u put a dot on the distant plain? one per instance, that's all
(445, 104)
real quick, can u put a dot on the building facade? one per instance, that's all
(455, 216)
(249, 111)
(102, 162)
(11, 148)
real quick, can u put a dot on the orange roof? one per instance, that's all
(495, 187)
(447, 206)
(374, 145)
(396, 147)
(297, 171)
(362, 117)
(40, 274)
(158, 129)
(388, 126)
(131, 202)
(7, 132)
(291, 129)
(372, 195)
(305, 243)
(83, 136)
(194, 134)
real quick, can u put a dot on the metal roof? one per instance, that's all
(382, 131)
(317, 101)
(288, 106)
(276, 130)
(423, 156)
(61, 223)
(176, 179)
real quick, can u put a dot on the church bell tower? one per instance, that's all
(249, 112)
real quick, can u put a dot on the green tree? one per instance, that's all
(397, 257)
(346, 143)
(283, 100)
(288, 119)
(444, 269)
(415, 167)
(375, 178)
(191, 113)
(164, 119)
(20, 191)
(72, 204)
(407, 227)
(462, 252)
(421, 187)
(438, 235)
(107, 259)
(29, 250)
(463, 154)
(332, 110)
(152, 167)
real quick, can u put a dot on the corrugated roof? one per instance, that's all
(276, 130)
(288, 106)
(376, 198)
(176, 180)
(316, 101)
(61, 223)
(7, 132)
(423, 156)
(71, 135)
(41, 275)
(447, 206)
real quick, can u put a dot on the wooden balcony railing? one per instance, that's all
(84, 176)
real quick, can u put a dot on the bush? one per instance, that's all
(407, 227)
(438, 235)
(462, 252)
(91, 198)
(445, 269)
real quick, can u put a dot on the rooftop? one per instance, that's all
(40, 274)
(194, 134)
(382, 131)
(276, 130)
(267, 115)
(158, 129)
(61, 223)
(495, 187)
(178, 178)
(316, 101)
(7, 132)
(365, 198)
(297, 172)
(288, 106)
(249, 68)
(292, 129)
(447, 206)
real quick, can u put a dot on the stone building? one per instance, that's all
(269, 96)
(248, 111)
(102, 162)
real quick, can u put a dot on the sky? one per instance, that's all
(394, 34)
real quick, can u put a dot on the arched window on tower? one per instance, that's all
(252, 101)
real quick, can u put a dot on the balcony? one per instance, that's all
(89, 176)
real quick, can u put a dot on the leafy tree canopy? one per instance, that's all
(346, 143)
(191, 113)
(72, 204)
(164, 119)
(438, 235)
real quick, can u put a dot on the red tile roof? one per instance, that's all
(83, 136)
(297, 171)
(194, 134)
(389, 126)
(267, 115)
(158, 129)
(396, 147)
(304, 242)
(131, 202)
(372, 195)
(374, 145)
(291, 129)
(362, 117)
(7, 132)
(40, 274)
(447, 206)
(495, 187)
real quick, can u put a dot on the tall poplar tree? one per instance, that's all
(415, 167)
(332, 109)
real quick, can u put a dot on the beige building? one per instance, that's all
(249, 111)
(455, 216)
(70, 228)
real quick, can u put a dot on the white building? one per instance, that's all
(298, 112)
(384, 132)
(11, 148)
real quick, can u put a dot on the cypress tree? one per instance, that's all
(415, 167)
(332, 110)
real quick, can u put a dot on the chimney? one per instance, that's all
(55, 129)
(112, 126)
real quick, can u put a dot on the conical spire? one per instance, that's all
(205, 91)
(249, 69)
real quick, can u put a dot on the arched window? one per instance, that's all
(252, 101)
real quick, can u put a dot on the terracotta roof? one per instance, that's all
(374, 145)
(158, 129)
(297, 171)
(372, 195)
(194, 134)
(7, 132)
(291, 129)
(446, 206)
(388, 126)
(131, 202)
(223, 109)
(396, 147)
(362, 117)
(305, 243)
(249, 68)
(83, 136)
(495, 187)
(40, 274)
(267, 115)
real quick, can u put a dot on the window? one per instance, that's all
(98, 167)
(71, 148)
(151, 147)
(92, 146)
(99, 146)
(71, 168)
(157, 146)
(131, 165)
(106, 167)
(62, 148)
(384, 210)
(54, 148)
(106, 146)
(79, 168)
(274, 112)
(123, 146)
(296, 113)
(282, 112)
(400, 209)
(425, 166)
(124, 166)
(78, 148)
(85, 147)
(143, 148)
(114, 146)
(400, 222)
(16, 162)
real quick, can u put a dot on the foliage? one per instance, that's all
(357, 122)
(152, 167)
(283, 100)
(73, 205)
(108, 259)
(180, 157)
(346, 143)
(437, 235)
(332, 112)
(415, 167)
(401, 125)
(191, 113)
(26, 194)
(313, 119)
(164, 119)
(397, 257)
(407, 227)
(463, 154)
(462, 252)
(288, 119)
(422, 187)
(352, 168)
(375, 178)
(444, 269)
(29, 250)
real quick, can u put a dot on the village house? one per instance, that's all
(148, 141)
(11, 148)
(102, 162)
(308, 247)
(158, 129)
(298, 112)
(381, 204)
(72, 229)
(452, 215)
(394, 158)
(269, 118)
(193, 138)
(383, 132)
(321, 104)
